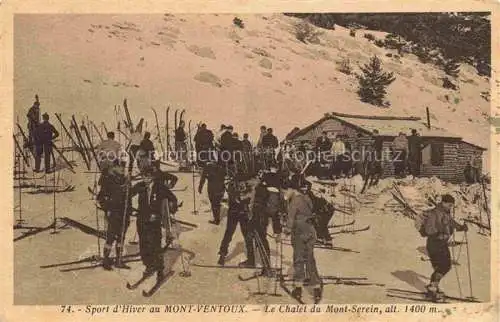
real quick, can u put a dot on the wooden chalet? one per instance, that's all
(444, 155)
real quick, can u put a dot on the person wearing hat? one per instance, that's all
(399, 152)
(301, 225)
(214, 174)
(438, 226)
(112, 198)
(156, 203)
(44, 134)
(239, 191)
(266, 204)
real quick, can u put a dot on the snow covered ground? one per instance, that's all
(389, 253)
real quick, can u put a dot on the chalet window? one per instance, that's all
(437, 154)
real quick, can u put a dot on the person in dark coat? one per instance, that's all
(438, 226)
(45, 133)
(414, 153)
(323, 145)
(266, 206)
(33, 121)
(180, 142)
(156, 203)
(238, 191)
(112, 198)
(203, 141)
(214, 174)
(269, 144)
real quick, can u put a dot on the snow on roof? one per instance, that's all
(387, 125)
(392, 126)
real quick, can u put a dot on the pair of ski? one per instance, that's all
(154, 288)
(425, 297)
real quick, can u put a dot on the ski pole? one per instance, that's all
(468, 265)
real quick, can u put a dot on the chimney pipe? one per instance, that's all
(428, 118)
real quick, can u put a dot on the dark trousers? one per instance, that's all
(44, 149)
(440, 257)
(215, 198)
(414, 164)
(321, 225)
(150, 244)
(399, 162)
(258, 235)
(304, 263)
(235, 216)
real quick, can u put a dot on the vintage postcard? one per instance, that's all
(229, 161)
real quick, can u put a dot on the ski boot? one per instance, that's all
(329, 243)
(222, 260)
(120, 264)
(432, 292)
(107, 264)
(214, 222)
(297, 292)
(247, 263)
(160, 275)
(317, 295)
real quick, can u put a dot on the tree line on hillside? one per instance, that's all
(445, 39)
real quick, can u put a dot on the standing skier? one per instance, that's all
(301, 224)
(45, 133)
(113, 199)
(266, 204)
(214, 174)
(153, 198)
(238, 213)
(33, 121)
(438, 226)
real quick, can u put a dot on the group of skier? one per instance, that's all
(263, 184)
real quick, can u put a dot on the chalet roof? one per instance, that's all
(386, 125)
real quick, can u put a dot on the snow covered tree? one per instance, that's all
(373, 82)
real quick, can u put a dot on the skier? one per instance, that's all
(108, 152)
(214, 174)
(266, 204)
(44, 134)
(269, 144)
(145, 153)
(438, 225)
(33, 121)
(153, 198)
(301, 224)
(248, 154)
(135, 141)
(324, 212)
(238, 199)
(112, 199)
(180, 142)
(203, 144)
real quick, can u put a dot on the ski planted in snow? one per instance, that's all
(159, 131)
(158, 284)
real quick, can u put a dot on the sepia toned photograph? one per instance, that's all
(277, 158)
